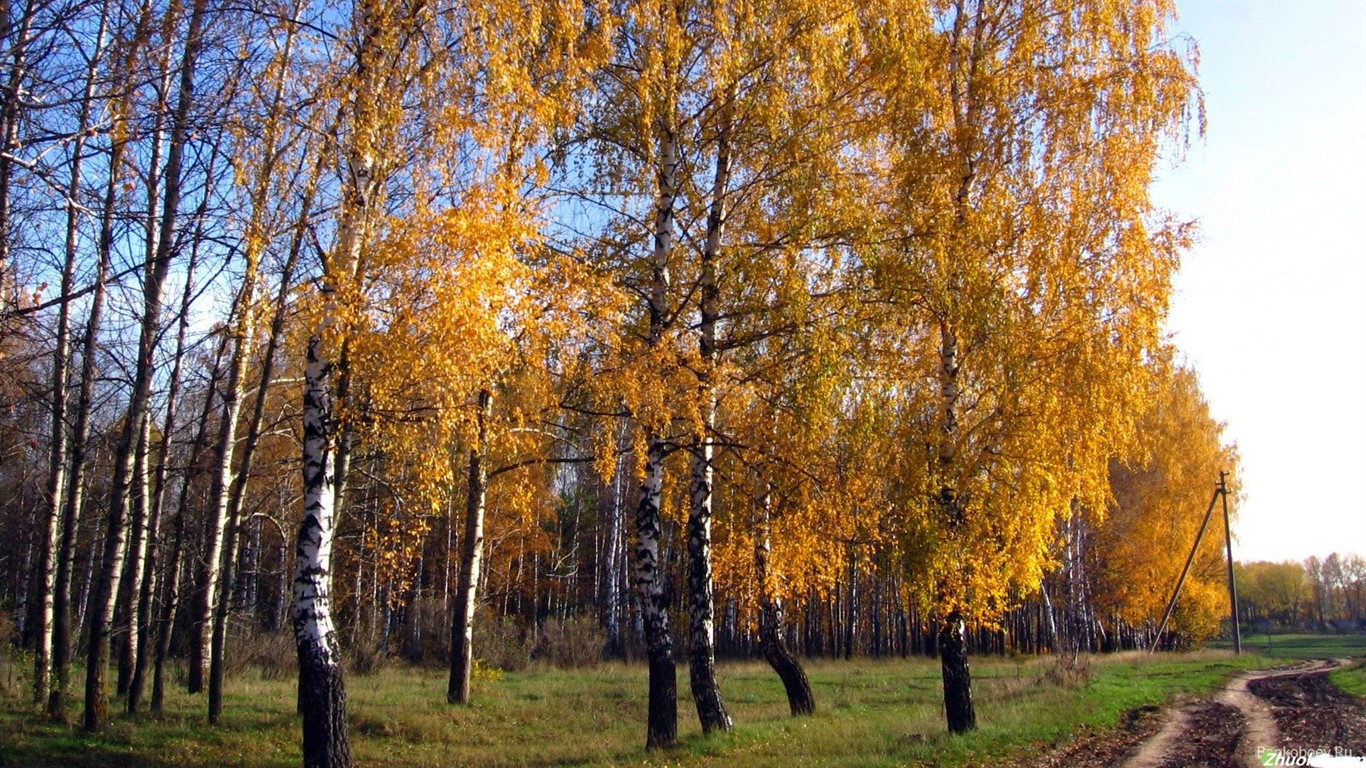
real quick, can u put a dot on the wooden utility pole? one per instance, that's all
(1232, 584)
(1221, 495)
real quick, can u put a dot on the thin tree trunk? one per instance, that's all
(136, 559)
(174, 580)
(207, 591)
(218, 639)
(66, 551)
(163, 624)
(151, 632)
(128, 621)
(711, 711)
(92, 559)
(45, 684)
(471, 556)
(79, 445)
(611, 561)
(80, 434)
(107, 586)
(771, 644)
(851, 625)
(228, 490)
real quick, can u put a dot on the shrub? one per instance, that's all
(500, 643)
(427, 632)
(1070, 670)
(367, 655)
(573, 642)
(274, 655)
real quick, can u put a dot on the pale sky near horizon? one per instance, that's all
(1270, 305)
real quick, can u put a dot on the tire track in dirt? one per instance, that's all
(1225, 732)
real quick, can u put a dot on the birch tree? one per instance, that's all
(52, 550)
(266, 156)
(158, 264)
(1035, 269)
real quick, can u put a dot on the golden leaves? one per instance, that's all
(1031, 257)
(939, 289)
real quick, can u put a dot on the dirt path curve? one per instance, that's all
(1227, 730)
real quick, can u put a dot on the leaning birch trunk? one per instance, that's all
(129, 603)
(227, 490)
(218, 638)
(171, 594)
(150, 627)
(706, 693)
(208, 587)
(471, 555)
(106, 588)
(771, 644)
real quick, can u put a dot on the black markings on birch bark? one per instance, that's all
(662, 726)
(322, 691)
(711, 711)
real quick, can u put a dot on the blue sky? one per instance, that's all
(1270, 306)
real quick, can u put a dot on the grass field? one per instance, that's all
(870, 713)
(1351, 679)
(1300, 646)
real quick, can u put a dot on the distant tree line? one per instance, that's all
(1318, 594)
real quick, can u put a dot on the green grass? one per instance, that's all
(1351, 679)
(870, 713)
(1300, 646)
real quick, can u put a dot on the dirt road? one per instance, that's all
(1295, 710)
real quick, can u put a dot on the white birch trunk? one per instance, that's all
(322, 694)
(471, 559)
(58, 542)
(706, 692)
(150, 630)
(107, 587)
(137, 559)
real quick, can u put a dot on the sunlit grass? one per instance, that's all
(870, 713)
